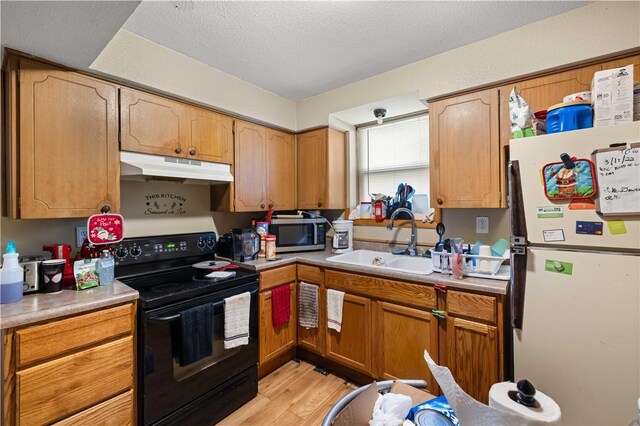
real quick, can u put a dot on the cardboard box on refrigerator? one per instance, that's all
(612, 96)
(359, 411)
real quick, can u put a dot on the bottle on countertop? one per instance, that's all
(106, 268)
(11, 276)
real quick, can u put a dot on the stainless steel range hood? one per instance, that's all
(147, 167)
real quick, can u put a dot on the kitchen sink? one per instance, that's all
(385, 261)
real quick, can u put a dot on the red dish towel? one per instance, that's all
(280, 305)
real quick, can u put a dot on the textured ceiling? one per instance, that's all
(301, 49)
(69, 32)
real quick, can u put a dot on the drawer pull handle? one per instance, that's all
(178, 150)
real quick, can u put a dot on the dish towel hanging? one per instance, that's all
(280, 305)
(308, 305)
(196, 332)
(236, 320)
(334, 309)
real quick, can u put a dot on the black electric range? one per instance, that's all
(211, 388)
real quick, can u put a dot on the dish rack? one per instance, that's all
(473, 265)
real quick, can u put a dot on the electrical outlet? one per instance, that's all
(81, 234)
(482, 225)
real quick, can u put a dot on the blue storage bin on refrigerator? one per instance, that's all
(569, 116)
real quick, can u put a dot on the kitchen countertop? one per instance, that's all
(319, 258)
(42, 306)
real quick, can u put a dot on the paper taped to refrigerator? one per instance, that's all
(618, 174)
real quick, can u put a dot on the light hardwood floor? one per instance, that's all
(294, 394)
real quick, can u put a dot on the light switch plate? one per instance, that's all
(81, 234)
(482, 225)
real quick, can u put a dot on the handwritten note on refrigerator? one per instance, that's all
(618, 174)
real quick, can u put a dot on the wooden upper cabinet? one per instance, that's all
(250, 186)
(543, 92)
(635, 60)
(67, 135)
(153, 124)
(465, 151)
(281, 161)
(322, 170)
(211, 136)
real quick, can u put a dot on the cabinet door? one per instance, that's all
(635, 60)
(402, 335)
(281, 163)
(313, 339)
(543, 92)
(352, 345)
(274, 341)
(465, 151)
(472, 356)
(250, 167)
(336, 189)
(153, 124)
(69, 160)
(211, 136)
(312, 169)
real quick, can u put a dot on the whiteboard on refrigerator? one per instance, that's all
(618, 175)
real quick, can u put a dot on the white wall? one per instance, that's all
(139, 60)
(593, 30)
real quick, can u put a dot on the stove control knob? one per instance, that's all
(135, 251)
(121, 252)
(210, 243)
(200, 244)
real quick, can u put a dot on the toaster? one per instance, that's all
(32, 266)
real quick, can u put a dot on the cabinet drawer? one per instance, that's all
(55, 389)
(117, 411)
(276, 277)
(420, 296)
(472, 305)
(310, 274)
(55, 338)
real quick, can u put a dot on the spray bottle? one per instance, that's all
(11, 276)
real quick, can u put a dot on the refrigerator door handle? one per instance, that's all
(518, 245)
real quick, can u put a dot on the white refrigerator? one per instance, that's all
(575, 287)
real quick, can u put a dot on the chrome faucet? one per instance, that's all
(411, 250)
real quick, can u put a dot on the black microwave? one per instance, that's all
(299, 234)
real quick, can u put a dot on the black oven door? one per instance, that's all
(165, 386)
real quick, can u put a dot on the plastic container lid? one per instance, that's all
(568, 104)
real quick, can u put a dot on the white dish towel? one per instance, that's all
(236, 320)
(335, 299)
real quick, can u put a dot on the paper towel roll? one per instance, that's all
(548, 411)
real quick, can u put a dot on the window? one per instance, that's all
(393, 153)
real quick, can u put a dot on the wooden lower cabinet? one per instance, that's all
(402, 335)
(75, 370)
(473, 356)
(116, 411)
(274, 341)
(352, 345)
(277, 345)
(313, 339)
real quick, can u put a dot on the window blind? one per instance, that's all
(393, 153)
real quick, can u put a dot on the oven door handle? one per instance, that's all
(177, 316)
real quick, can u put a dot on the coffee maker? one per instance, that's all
(343, 236)
(246, 244)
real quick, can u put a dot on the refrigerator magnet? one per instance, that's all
(553, 235)
(550, 212)
(569, 179)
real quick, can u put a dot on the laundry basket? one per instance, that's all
(382, 387)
